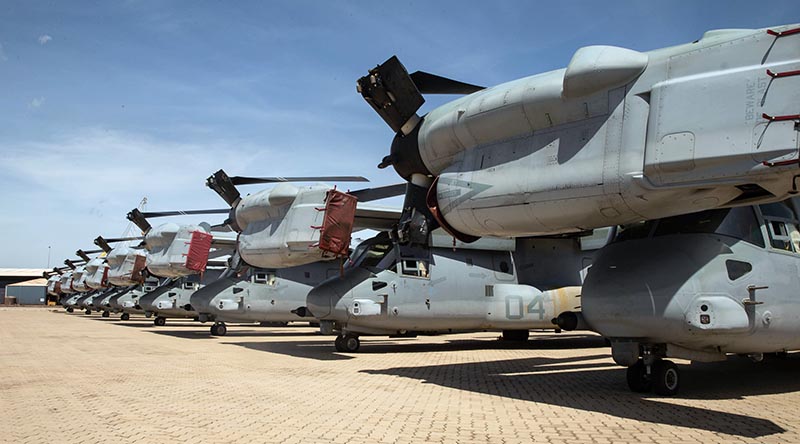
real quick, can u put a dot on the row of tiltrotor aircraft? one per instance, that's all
(645, 196)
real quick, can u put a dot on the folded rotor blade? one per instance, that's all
(241, 180)
(428, 83)
(370, 194)
(150, 214)
(139, 220)
(222, 185)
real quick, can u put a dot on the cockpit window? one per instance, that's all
(371, 252)
(781, 227)
(740, 223)
(414, 268)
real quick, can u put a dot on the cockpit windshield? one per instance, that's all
(371, 252)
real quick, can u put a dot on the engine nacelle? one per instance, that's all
(79, 279)
(620, 136)
(177, 250)
(66, 283)
(97, 273)
(54, 285)
(126, 266)
(286, 226)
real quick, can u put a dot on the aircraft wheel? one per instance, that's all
(214, 330)
(148, 314)
(666, 378)
(70, 310)
(338, 343)
(160, 321)
(349, 343)
(638, 380)
(222, 330)
(106, 314)
(125, 316)
(88, 312)
(515, 335)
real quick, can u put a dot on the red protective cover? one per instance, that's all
(340, 215)
(138, 266)
(199, 246)
(104, 281)
(58, 288)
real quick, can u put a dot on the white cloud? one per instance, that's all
(36, 102)
(3, 57)
(44, 38)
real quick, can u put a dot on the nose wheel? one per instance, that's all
(662, 377)
(88, 312)
(347, 343)
(125, 316)
(106, 314)
(160, 321)
(70, 310)
(219, 329)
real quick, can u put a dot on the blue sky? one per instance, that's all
(106, 102)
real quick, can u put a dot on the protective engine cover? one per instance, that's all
(177, 250)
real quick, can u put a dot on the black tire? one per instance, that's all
(515, 335)
(666, 378)
(88, 312)
(106, 314)
(338, 343)
(214, 330)
(70, 310)
(638, 381)
(222, 330)
(351, 343)
(125, 316)
(160, 321)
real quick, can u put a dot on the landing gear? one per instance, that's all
(125, 316)
(515, 335)
(638, 379)
(88, 312)
(160, 321)
(219, 329)
(662, 377)
(70, 310)
(106, 314)
(347, 343)
(665, 378)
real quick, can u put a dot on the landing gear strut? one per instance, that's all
(219, 329)
(661, 376)
(125, 316)
(160, 321)
(347, 343)
(106, 314)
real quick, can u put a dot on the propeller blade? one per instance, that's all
(377, 193)
(83, 255)
(139, 220)
(428, 83)
(222, 185)
(241, 180)
(150, 214)
(390, 91)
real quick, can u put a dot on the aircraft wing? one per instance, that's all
(376, 217)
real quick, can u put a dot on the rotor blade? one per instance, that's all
(222, 185)
(391, 92)
(370, 194)
(150, 214)
(82, 254)
(428, 83)
(139, 220)
(221, 228)
(241, 180)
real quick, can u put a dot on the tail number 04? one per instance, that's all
(516, 308)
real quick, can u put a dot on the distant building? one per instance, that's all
(29, 292)
(16, 275)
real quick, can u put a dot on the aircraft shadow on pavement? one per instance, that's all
(317, 350)
(233, 332)
(576, 383)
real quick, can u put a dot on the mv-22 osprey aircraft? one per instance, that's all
(615, 138)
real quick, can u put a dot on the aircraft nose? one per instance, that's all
(318, 301)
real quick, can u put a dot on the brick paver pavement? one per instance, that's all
(85, 379)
